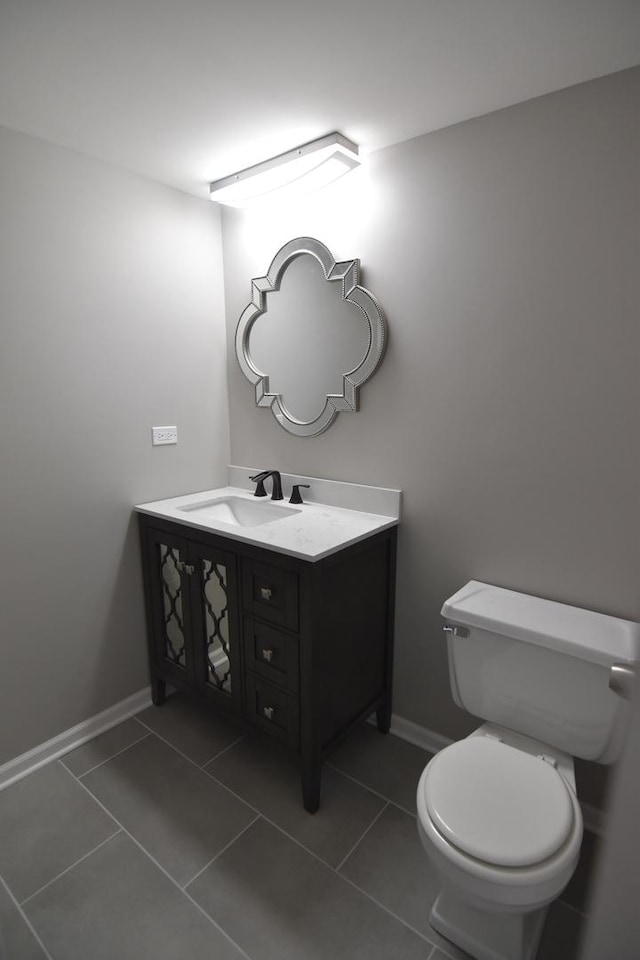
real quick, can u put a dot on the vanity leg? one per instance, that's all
(158, 691)
(311, 775)
(383, 717)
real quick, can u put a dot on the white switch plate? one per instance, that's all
(161, 435)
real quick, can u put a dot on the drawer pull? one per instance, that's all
(265, 593)
(267, 654)
(268, 712)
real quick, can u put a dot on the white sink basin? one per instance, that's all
(238, 511)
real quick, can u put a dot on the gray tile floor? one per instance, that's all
(175, 835)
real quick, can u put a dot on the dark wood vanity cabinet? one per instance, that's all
(301, 650)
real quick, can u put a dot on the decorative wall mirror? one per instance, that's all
(310, 337)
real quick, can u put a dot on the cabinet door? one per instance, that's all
(216, 633)
(170, 608)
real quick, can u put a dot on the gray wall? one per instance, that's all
(112, 322)
(504, 252)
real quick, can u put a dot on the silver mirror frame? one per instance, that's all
(345, 271)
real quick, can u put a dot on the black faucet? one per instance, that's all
(259, 479)
(296, 496)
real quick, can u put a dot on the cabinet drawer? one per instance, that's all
(271, 654)
(271, 709)
(270, 593)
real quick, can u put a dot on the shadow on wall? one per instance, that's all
(121, 665)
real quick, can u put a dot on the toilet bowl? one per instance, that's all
(499, 818)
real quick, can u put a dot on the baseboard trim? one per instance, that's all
(593, 818)
(419, 736)
(26, 763)
(74, 737)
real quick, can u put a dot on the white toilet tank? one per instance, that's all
(540, 668)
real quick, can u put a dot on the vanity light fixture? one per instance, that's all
(294, 173)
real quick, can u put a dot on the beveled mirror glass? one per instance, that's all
(310, 337)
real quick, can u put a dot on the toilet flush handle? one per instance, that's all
(622, 680)
(455, 631)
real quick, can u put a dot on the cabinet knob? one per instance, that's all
(267, 654)
(265, 593)
(268, 712)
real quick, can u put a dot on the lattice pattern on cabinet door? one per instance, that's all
(214, 596)
(172, 603)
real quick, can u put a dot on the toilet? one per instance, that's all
(498, 814)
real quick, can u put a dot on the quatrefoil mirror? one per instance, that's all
(310, 337)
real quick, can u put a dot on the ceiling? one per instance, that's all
(186, 92)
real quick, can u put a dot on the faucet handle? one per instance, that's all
(259, 479)
(295, 493)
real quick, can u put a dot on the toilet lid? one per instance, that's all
(497, 803)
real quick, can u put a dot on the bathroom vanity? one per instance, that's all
(286, 623)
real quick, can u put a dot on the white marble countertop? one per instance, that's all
(314, 531)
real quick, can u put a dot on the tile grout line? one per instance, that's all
(145, 725)
(183, 890)
(199, 765)
(282, 830)
(581, 913)
(393, 803)
(361, 838)
(267, 820)
(106, 760)
(207, 773)
(341, 876)
(364, 893)
(26, 920)
(216, 756)
(273, 824)
(72, 865)
(405, 923)
(237, 795)
(259, 813)
(294, 839)
(220, 852)
(402, 809)
(173, 881)
(185, 756)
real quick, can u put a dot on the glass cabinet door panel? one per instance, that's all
(173, 623)
(216, 624)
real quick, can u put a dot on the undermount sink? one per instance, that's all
(239, 512)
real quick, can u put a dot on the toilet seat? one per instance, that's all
(498, 804)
